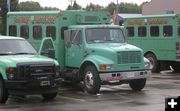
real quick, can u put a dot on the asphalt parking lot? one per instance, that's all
(111, 98)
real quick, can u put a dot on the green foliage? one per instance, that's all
(124, 8)
(29, 6)
(92, 7)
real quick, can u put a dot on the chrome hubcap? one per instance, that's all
(89, 79)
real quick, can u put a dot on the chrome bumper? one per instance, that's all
(124, 75)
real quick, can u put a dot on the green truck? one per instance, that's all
(159, 37)
(23, 71)
(88, 49)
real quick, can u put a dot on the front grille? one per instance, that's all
(25, 71)
(126, 57)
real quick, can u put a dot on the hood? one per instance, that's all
(12, 60)
(115, 47)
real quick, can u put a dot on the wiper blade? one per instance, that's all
(8, 53)
(25, 53)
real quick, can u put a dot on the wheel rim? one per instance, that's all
(151, 60)
(89, 79)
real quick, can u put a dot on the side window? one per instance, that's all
(37, 32)
(76, 36)
(167, 31)
(51, 32)
(154, 31)
(142, 31)
(63, 29)
(24, 31)
(130, 31)
(12, 30)
(179, 31)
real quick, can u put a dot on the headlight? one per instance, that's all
(105, 67)
(11, 72)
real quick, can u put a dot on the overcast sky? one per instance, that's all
(63, 4)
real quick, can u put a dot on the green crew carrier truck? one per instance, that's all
(23, 71)
(159, 37)
(88, 49)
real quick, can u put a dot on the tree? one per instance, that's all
(92, 7)
(29, 6)
(75, 6)
(3, 12)
(111, 7)
(50, 8)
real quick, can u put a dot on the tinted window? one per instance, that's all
(24, 32)
(130, 31)
(154, 31)
(167, 31)
(37, 32)
(12, 30)
(142, 31)
(51, 32)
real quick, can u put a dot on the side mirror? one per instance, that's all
(51, 53)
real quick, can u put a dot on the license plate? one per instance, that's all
(45, 83)
(130, 74)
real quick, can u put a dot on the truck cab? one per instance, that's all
(23, 71)
(100, 55)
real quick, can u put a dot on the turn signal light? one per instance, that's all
(102, 67)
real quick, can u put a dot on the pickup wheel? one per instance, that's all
(3, 92)
(154, 63)
(49, 96)
(92, 82)
(137, 84)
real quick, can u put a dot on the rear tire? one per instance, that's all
(92, 82)
(137, 84)
(49, 96)
(3, 92)
(154, 63)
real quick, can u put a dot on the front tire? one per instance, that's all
(3, 92)
(92, 82)
(49, 96)
(137, 84)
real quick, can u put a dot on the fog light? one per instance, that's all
(11, 72)
(11, 76)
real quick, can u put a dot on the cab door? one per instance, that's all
(74, 48)
(47, 48)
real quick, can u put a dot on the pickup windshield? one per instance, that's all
(16, 47)
(104, 35)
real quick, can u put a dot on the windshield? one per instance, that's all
(104, 35)
(16, 47)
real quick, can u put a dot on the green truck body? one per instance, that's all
(159, 37)
(87, 48)
(23, 71)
